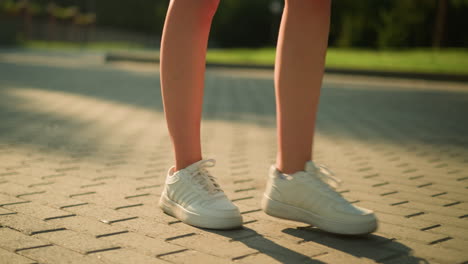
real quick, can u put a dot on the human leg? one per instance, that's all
(183, 52)
(300, 60)
(190, 193)
(297, 188)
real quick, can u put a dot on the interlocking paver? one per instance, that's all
(438, 254)
(143, 244)
(9, 199)
(256, 258)
(148, 227)
(405, 259)
(20, 191)
(82, 243)
(84, 151)
(223, 248)
(194, 256)
(453, 243)
(340, 257)
(123, 256)
(13, 240)
(284, 250)
(28, 224)
(7, 257)
(58, 255)
(435, 218)
(37, 210)
(86, 225)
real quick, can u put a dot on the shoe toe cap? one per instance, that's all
(354, 213)
(222, 208)
(222, 204)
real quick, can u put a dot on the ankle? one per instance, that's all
(289, 164)
(182, 164)
(287, 170)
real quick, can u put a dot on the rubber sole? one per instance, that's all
(289, 212)
(172, 208)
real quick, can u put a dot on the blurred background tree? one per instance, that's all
(371, 24)
(242, 24)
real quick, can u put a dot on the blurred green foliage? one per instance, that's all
(379, 24)
(454, 61)
(242, 24)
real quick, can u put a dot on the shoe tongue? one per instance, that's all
(195, 167)
(326, 178)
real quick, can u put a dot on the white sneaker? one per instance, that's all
(308, 196)
(193, 196)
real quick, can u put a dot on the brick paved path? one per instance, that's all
(84, 150)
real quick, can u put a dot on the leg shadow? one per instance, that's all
(375, 247)
(254, 240)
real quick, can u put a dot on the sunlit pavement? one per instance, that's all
(84, 151)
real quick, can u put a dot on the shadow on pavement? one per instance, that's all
(375, 247)
(264, 245)
(373, 114)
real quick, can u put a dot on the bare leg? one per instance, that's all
(300, 59)
(183, 53)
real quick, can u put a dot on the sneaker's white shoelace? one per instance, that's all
(203, 177)
(327, 176)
